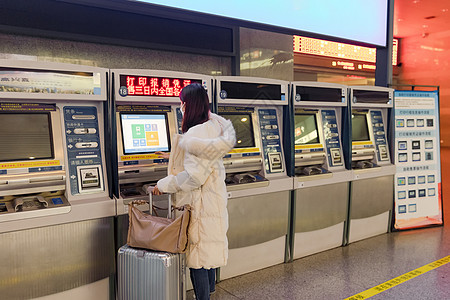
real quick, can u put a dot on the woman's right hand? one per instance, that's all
(161, 154)
(156, 191)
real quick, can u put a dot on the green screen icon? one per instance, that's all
(138, 131)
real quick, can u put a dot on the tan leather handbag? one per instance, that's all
(158, 233)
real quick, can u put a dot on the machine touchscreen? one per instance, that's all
(306, 129)
(25, 136)
(144, 132)
(360, 130)
(242, 124)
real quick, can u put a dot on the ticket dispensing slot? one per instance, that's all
(21, 183)
(90, 177)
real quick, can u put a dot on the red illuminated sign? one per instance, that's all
(154, 86)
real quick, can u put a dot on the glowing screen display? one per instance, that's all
(154, 86)
(242, 123)
(25, 136)
(360, 131)
(306, 129)
(356, 20)
(144, 133)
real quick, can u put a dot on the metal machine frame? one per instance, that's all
(372, 186)
(134, 172)
(61, 205)
(320, 179)
(258, 195)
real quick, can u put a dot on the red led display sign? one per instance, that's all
(153, 86)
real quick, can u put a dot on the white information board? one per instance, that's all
(417, 157)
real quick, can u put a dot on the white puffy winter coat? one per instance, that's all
(197, 176)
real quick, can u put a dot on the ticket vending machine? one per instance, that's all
(257, 184)
(321, 181)
(145, 115)
(372, 186)
(56, 217)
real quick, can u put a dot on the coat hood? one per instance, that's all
(194, 141)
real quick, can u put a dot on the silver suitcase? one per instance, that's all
(150, 275)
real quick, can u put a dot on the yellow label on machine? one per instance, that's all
(297, 147)
(139, 157)
(362, 143)
(29, 164)
(244, 150)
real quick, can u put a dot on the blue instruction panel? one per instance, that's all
(83, 148)
(271, 140)
(331, 134)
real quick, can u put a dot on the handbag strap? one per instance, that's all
(143, 202)
(182, 208)
(138, 202)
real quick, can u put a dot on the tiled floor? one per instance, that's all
(342, 272)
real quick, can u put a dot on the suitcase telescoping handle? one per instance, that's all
(150, 201)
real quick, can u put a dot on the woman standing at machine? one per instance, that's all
(197, 176)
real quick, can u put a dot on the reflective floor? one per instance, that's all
(343, 272)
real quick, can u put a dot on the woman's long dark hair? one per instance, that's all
(196, 103)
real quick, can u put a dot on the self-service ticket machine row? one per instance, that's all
(303, 151)
(288, 178)
(343, 174)
(56, 216)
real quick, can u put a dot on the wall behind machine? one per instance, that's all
(109, 56)
(266, 54)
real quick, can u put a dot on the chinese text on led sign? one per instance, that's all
(154, 86)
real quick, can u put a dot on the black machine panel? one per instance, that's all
(373, 97)
(322, 94)
(250, 91)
